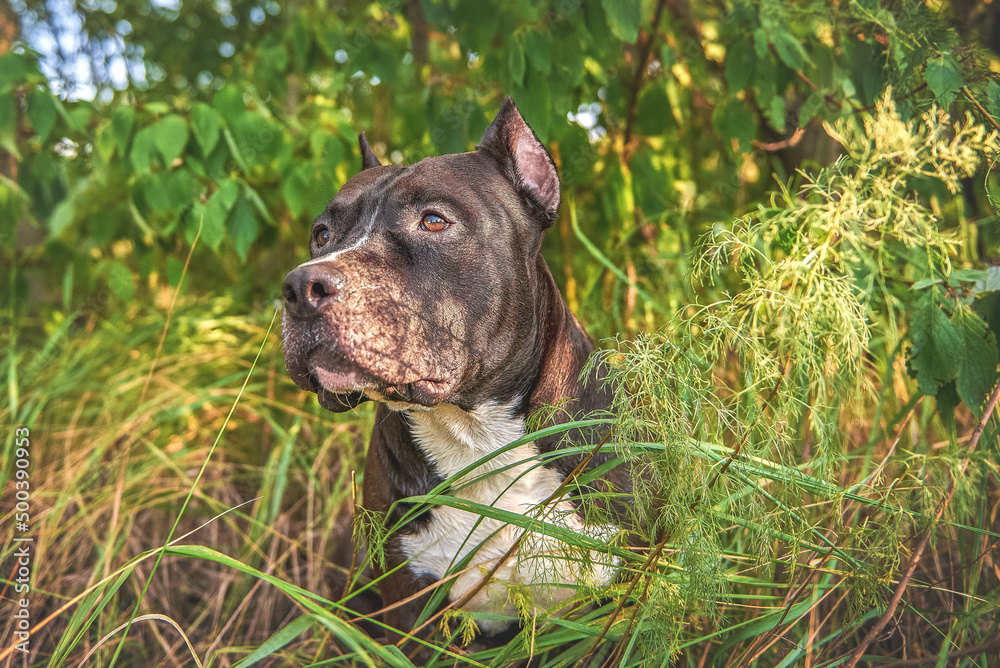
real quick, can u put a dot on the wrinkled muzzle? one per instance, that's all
(351, 334)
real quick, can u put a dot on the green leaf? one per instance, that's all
(978, 372)
(305, 191)
(227, 193)
(789, 50)
(175, 269)
(42, 112)
(653, 115)
(142, 151)
(926, 283)
(993, 98)
(261, 208)
(195, 221)
(229, 103)
(155, 195)
(909, 60)
(120, 280)
(213, 230)
(992, 282)
(105, 142)
(810, 108)
(353, 638)
(256, 139)
(243, 227)
(180, 187)
(170, 136)
(539, 50)
(740, 65)
(761, 44)
(735, 121)
(78, 117)
(281, 637)
(293, 188)
(937, 347)
(516, 58)
(776, 113)
(535, 103)
(8, 116)
(15, 67)
(623, 18)
(959, 276)
(667, 57)
(947, 401)
(331, 154)
(205, 126)
(987, 307)
(61, 217)
(943, 77)
(122, 120)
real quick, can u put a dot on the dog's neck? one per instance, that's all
(454, 439)
(565, 348)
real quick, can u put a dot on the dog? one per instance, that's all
(427, 293)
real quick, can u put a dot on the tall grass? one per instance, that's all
(115, 453)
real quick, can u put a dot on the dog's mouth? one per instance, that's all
(342, 380)
(348, 384)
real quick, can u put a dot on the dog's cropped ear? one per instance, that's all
(368, 158)
(523, 160)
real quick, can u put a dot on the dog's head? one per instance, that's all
(421, 285)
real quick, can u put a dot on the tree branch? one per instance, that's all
(640, 71)
(418, 24)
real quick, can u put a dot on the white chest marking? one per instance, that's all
(453, 439)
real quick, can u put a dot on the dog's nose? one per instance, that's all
(308, 287)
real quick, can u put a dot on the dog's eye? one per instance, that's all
(321, 235)
(431, 222)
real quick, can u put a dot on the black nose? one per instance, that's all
(308, 287)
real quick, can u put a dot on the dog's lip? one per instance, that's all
(352, 378)
(342, 380)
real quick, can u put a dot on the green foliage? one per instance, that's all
(623, 18)
(851, 258)
(278, 117)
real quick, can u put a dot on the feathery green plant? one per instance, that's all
(773, 374)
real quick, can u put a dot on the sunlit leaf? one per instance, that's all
(122, 120)
(978, 371)
(624, 17)
(937, 348)
(205, 126)
(216, 212)
(243, 227)
(120, 280)
(944, 78)
(42, 112)
(170, 136)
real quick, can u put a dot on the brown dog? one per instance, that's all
(428, 294)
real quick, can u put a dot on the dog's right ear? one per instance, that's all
(368, 159)
(523, 160)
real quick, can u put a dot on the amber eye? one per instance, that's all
(431, 222)
(321, 235)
